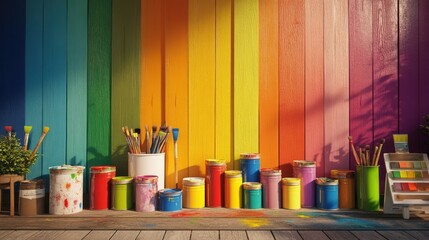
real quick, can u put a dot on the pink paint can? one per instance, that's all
(146, 187)
(271, 180)
(306, 171)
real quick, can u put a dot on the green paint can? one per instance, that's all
(368, 195)
(122, 193)
(252, 195)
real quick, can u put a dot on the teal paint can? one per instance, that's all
(252, 195)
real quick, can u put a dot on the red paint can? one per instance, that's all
(101, 177)
(215, 180)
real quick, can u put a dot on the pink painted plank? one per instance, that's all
(361, 109)
(409, 72)
(424, 63)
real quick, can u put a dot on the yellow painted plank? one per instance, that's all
(223, 109)
(246, 59)
(201, 84)
(176, 85)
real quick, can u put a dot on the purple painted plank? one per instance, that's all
(424, 63)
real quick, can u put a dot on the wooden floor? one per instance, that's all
(217, 223)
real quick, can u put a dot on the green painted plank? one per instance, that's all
(125, 76)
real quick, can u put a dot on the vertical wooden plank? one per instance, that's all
(233, 235)
(125, 86)
(361, 94)
(291, 83)
(74, 234)
(409, 116)
(307, 235)
(151, 82)
(34, 78)
(12, 65)
(77, 72)
(177, 235)
(314, 82)
(176, 85)
(423, 63)
(99, 234)
(385, 47)
(125, 234)
(255, 235)
(246, 82)
(286, 235)
(269, 83)
(223, 87)
(336, 64)
(201, 84)
(54, 83)
(151, 235)
(207, 235)
(99, 79)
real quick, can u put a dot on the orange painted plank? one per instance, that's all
(151, 103)
(314, 81)
(336, 50)
(268, 83)
(291, 83)
(176, 85)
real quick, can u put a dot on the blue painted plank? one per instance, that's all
(34, 78)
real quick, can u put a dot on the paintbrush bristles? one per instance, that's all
(45, 131)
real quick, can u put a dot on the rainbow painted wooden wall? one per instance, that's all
(290, 79)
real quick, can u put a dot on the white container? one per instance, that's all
(66, 189)
(147, 164)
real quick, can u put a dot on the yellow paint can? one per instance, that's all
(193, 192)
(233, 192)
(291, 193)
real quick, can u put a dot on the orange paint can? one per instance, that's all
(346, 188)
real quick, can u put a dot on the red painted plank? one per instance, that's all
(423, 64)
(291, 83)
(409, 72)
(361, 108)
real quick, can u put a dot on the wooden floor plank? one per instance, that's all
(340, 235)
(125, 235)
(320, 235)
(151, 235)
(177, 235)
(257, 235)
(99, 234)
(73, 234)
(4, 233)
(395, 235)
(286, 235)
(373, 235)
(419, 234)
(233, 235)
(47, 234)
(24, 234)
(206, 235)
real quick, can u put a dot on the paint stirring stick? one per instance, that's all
(8, 129)
(45, 131)
(176, 155)
(27, 130)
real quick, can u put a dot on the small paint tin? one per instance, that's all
(346, 187)
(31, 197)
(100, 187)
(122, 193)
(327, 193)
(215, 179)
(170, 199)
(291, 193)
(233, 192)
(306, 171)
(193, 192)
(252, 195)
(271, 180)
(250, 165)
(146, 188)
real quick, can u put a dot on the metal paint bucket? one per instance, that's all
(327, 194)
(346, 187)
(100, 188)
(250, 164)
(122, 193)
(252, 195)
(271, 180)
(170, 199)
(233, 190)
(306, 171)
(291, 193)
(31, 197)
(193, 192)
(215, 180)
(146, 188)
(368, 195)
(147, 164)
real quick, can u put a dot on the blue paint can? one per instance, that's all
(327, 193)
(250, 164)
(170, 199)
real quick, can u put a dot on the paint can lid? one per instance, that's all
(170, 192)
(32, 184)
(246, 156)
(215, 162)
(291, 181)
(342, 173)
(193, 181)
(146, 179)
(326, 181)
(66, 169)
(122, 180)
(233, 174)
(103, 169)
(303, 163)
(271, 172)
(252, 185)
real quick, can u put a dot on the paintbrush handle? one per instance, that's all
(38, 145)
(378, 155)
(175, 165)
(26, 141)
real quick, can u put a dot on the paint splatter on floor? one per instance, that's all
(254, 222)
(185, 214)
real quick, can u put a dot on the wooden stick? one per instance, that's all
(45, 131)
(379, 151)
(357, 159)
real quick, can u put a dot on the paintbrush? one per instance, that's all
(126, 138)
(367, 148)
(382, 141)
(374, 155)
(159, 140)
(45, 131)
(357, 159)
(8, 129)
(154, 128)
(176, 155)
(138, 131)
(147, 139)
(27, 130)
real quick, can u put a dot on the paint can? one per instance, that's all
(122, 193)
(100, 187)
(215, 180)
(368, 195)
(291, 193)
(327, 194)
(250, 165)
(170, 199)
(346, 188)
(252, 195)
(233, 192)
(306, 171)
(31, 197)
(271, 180)
(193, 192)
(66, 189)
(147, 164)
(146, 188)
